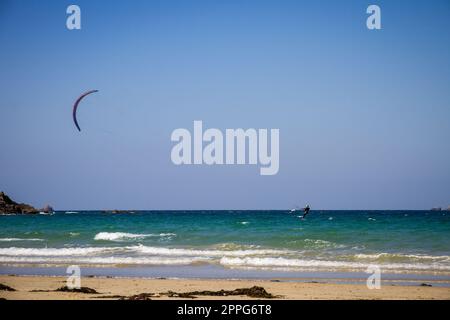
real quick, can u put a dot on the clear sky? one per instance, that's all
(364, 116)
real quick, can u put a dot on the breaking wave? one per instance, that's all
(322, 264)
(380, 257)
(227, 255)
(123, 236)
(57, 252)
(19, 239)
(138, 250)
(206, 252)
(112, 260)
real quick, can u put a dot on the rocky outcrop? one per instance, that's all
(8, 206)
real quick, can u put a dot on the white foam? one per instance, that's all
(242, 257)
(139, 249)
(321, 264)
(19, 239)
(123, 236)
(44, 252)
(206, 252)
(385, 255)
(105, 260)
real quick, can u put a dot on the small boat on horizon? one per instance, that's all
(47, 210)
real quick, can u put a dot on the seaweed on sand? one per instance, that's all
(253, 292)
(4, 287)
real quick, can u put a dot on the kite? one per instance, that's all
(75, 107)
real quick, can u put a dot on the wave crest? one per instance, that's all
(123, 236)
(19, 239)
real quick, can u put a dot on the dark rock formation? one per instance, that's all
(8, 206)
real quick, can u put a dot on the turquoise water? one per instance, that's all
(396, 241)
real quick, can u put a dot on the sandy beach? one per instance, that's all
(42, 288)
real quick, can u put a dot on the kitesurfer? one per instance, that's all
(305, 211)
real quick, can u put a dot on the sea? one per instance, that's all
(228, 244)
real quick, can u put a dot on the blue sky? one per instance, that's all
(363, 115)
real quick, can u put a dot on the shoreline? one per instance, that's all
(214, 272)
(42, 288)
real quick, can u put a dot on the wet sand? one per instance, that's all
(114, 288)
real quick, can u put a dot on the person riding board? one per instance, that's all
(306, 211)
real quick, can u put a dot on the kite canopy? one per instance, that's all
(75, 107)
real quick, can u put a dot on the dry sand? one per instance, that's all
(284, 290)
